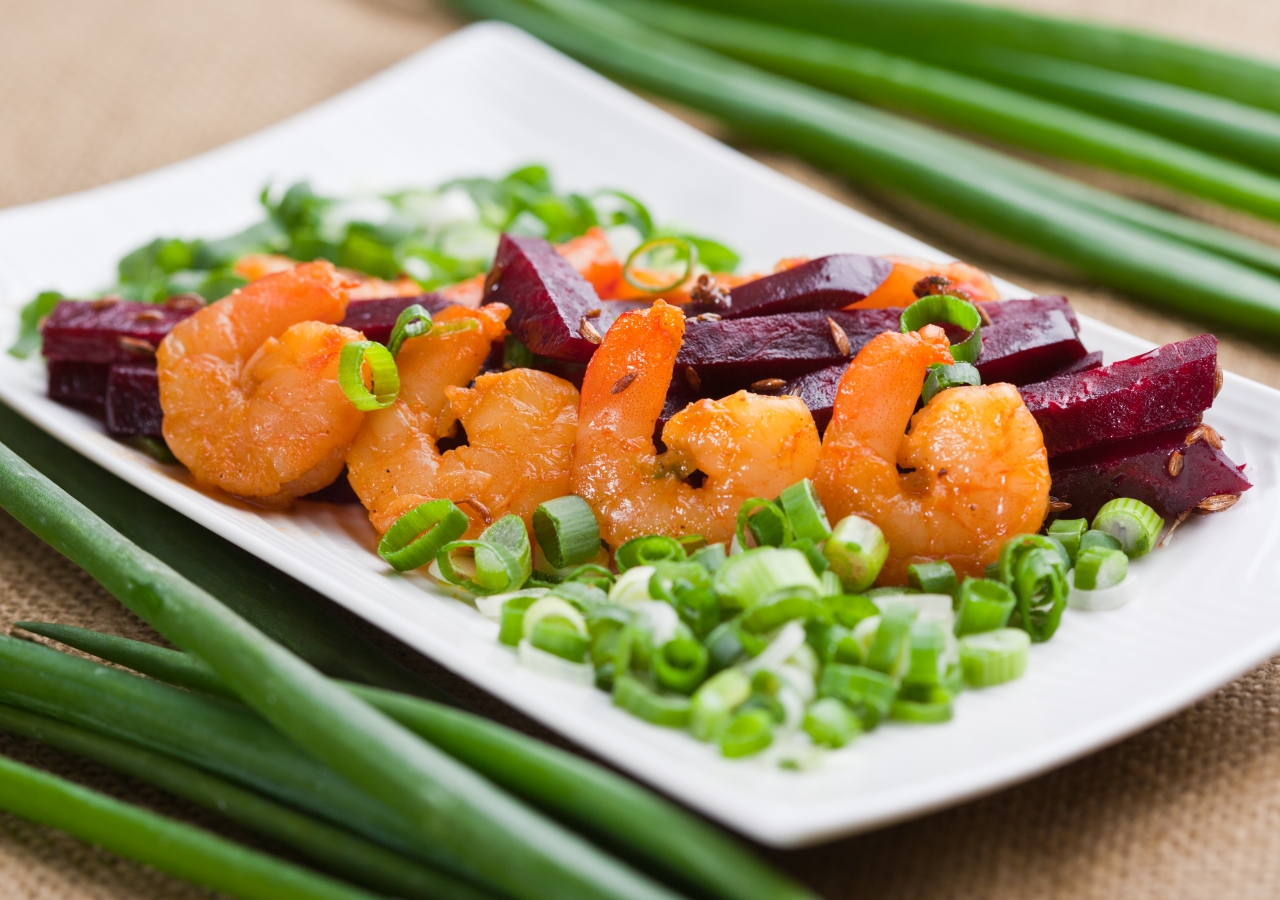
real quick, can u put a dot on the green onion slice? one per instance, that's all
(1040, 584)
(680, 665)
(382, 366)
(1134, 524)
(567, 531)
(941, 378)
(921, 712)
(511, 627)
(750, 732)
(994, 657)
(687, 587)
(661, 253)
(765, 520)
(711, 557)
(850, 609)
(632, 586)
(417, 536)
(1098, 569)
(804, 511)
(645, 551)
(782, 606)
(715, 701)
(890, 650)
(830, 723)
(499, 561)
(948, 309)
(640, 700)
(414, 321)
(1100, 539)
(933, 577)
(746, 577)
(985, 605)
(856, 550)
(870, 694)
(1068, 532)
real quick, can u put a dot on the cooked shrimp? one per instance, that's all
(746, 445)
(977, 468)
(249, 387)
(520, 427)
(960, 278)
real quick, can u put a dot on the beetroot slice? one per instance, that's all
(133, 401)
(376, 318)
(1083, 364)
(547, 296)
(1028, 340)
(82, 385)
(818, 391)
(99, 331)
(1166, 388)
(1138, 467)
(830, 282)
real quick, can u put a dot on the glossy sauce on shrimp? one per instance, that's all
(746, 445)
(970, 472)
(249, 387)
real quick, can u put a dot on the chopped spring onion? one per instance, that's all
(948, 309)
(924, 712)
(985, 605)
(687, 587)
(928, 645)
(850, 609)
(750, 732)
(583, 595)
(774, 610)
(1040, 584)
(1068, 533)
(554, 624)
(659, 254)
(382, 368)
(829, 723)
(711, 557)
(890, 650)
(856, 551)
(1097, 569)
(640, 700)
(632, 586)
(804, 511)
(813, 553)
(658, 621)
(1113, 597)
(941, 378)
(715, 701)
(747, 577)
(567, 531)
(680, 665)
(1134, 524)
(1092, 539)
(994, 657)
(511, 627)
(499, 561)
(491, 607)
(1019, 545)
(414, 321)
(553, 666)
(418, 535)
(831, 586)
(933, 577)
(870, 694)
(765, 520)
(645, 551)
(515, 353)
(789, 640)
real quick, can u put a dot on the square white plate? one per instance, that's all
(489, 99)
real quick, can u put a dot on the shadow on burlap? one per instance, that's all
(97, 91)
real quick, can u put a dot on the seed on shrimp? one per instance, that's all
(1175, 464)
(478, 507)
(841, 339)
(589, 332)
(623, 383)
(767, 385)
(137, 346)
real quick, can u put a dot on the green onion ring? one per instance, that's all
(949, 309)
(413, 321)
(747, 734)
(382, 365)
(642, 701)
(941, 378)
(419, 534)
(680, 664)
(804, 511)
(496, 568)
(648, 550)
(690, 256)
(567, 531)
(767, 522)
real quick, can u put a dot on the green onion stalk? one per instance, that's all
(869, 145)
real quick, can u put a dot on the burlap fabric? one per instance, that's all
(95, 90)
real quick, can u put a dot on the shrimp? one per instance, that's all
(249, 387)
(977, 468)
(899, 288)
(746, 445)
(520, 427)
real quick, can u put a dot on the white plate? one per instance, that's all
(491, 98)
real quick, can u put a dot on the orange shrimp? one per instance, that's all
(746, 445)
(249, 387)
(977, 468)
(519, 424)
(898, 288)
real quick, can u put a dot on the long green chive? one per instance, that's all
(1098, 569)
(776, 609)
(747, 734)
(829, 723)
(747, 577)
(766, 522)
(715, 701)
(870, 694)
(1068, 532)
(941, 378)
(567, 531)
(648, 550)
(933, 577)
(680, 665)
(500, 560)
(948, 309)
(417, 536)
(985, 605)
(1134, 524)
(640, 700)
(804, 511)
(856, 550)
(382, 367)
(678, 250)
(413, 321)
(994, 657)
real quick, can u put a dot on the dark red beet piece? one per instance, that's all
(102, 331)
(547, 296)
(1166, 388)
(133, 400)
(829, 282)
(1083, 364)
(82, 385)
(1139, 468)
(1028, 340)
(376, 318)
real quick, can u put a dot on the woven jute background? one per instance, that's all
(95, 90)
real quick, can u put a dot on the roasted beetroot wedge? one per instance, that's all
(830, 282)
(376, 318)
(818, 391)
(549, 300)
(1083, 364)
(82, 385)
(1028, 340)
(133, 400)
(1171, 471)
(1167, 388)
(111, 331)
